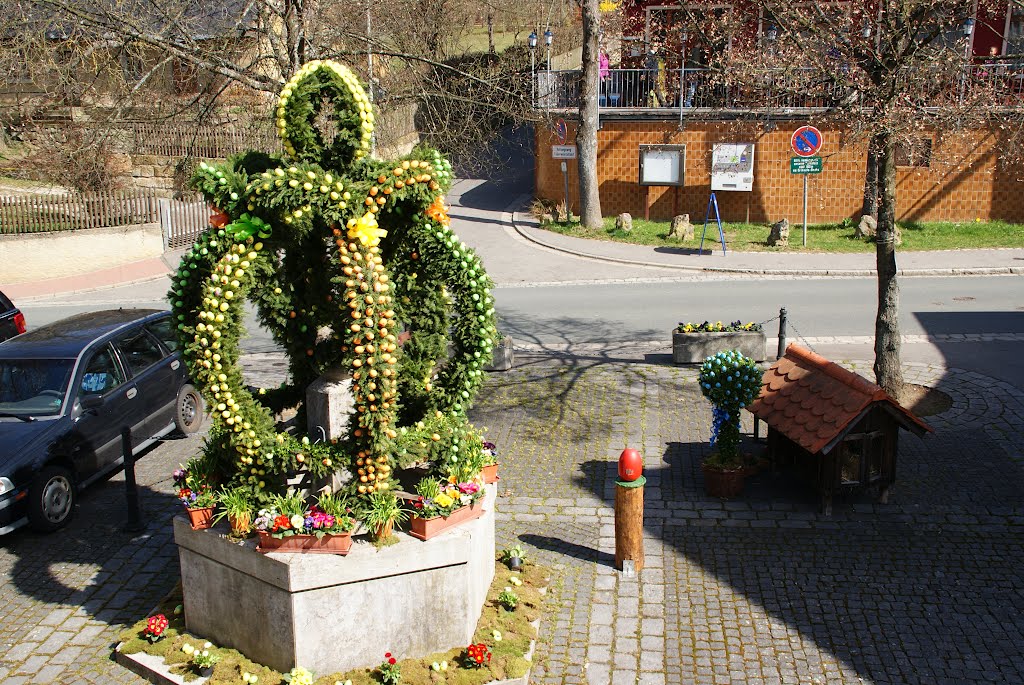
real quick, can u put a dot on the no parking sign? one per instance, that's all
(806, 141)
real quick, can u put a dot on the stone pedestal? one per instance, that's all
(503, 355)
(329, 403)
(330, 613)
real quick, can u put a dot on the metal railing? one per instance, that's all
(779, 89)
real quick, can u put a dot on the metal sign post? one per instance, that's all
(565, 178)
(806, 142)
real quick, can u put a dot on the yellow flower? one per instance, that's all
(443, 500)
(366, 230)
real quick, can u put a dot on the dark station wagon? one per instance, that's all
(67, 391)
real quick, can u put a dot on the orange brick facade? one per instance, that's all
(964, 181)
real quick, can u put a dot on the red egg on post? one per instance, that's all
(631, 465)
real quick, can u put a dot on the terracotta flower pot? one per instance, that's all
(200, 518)
(426, 528)
(490, 473)
(723, 483)
(336, 543)
(240, 525)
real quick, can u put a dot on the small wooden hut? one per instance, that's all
(837, 428)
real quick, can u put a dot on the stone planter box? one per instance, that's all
(694, 348)
(284, 610)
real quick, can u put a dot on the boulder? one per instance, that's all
(681, 229)
(867, 227)
(779, 236)
(624, 222)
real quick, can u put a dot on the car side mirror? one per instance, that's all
(91, 401)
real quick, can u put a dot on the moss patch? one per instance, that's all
(507, 654)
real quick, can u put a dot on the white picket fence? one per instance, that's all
(182, 221)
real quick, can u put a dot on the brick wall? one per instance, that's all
(964, 180)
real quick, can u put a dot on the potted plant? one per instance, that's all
(439, 507)
(508, 599)
(196, 493)
(237, 505)
(490, 465)
(514, 557)
(730, 381)
(694, 342)
(202, 660)
(380, 513)
(289, 526)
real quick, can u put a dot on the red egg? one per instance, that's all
(631, 465)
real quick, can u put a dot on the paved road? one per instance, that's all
(762, 589)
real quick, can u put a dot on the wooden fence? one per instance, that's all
(180, 140)
(50, 213)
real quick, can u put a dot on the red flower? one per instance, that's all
(387, 655)
(281, 523)
(392, 660)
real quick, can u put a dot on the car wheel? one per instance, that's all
(188, 414)
(51, 499)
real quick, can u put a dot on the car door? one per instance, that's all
(98, 429)
(154, 372)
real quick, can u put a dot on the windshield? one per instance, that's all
(33, 387)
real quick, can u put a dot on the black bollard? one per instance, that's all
(133, 521)
(782, 334)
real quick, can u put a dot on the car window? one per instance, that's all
(139, 351)
(164, 332)
(33, 387)
(101, 373)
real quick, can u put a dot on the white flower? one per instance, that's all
(187, 648)
(207, 645)
(496, 635)
(297, 521)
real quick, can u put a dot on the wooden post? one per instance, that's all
(629, 523)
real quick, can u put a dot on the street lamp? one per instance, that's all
(967, 30)
(548, 37)
(532, 42)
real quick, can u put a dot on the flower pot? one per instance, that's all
(206, 672)
(336, 543)
(723, 483)
(200, 518)
(424, 529)
(240, 525)
(515, 563)
(694, 348)
(383, 531)
(490, 473)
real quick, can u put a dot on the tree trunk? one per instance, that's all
(870, 206)
(888, 372)
(586, 133)
(490, 32)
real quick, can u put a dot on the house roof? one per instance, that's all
(814, 402)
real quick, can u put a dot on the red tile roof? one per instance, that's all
(812, 401)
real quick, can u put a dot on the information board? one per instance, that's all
(563, 152)
(732, 167)
(662, 165)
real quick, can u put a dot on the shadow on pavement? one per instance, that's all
(924, 589)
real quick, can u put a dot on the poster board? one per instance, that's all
(732, 167)
(662, 165)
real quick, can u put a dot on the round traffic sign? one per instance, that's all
(561, 130)
(806, 141)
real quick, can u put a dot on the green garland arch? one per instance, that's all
(339, 253)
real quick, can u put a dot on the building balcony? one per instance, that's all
(780, 93)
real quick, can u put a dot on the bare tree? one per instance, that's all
(586, 132)
(891, 70)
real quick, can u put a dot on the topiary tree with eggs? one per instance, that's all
(341, 254)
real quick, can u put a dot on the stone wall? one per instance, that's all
(963, 182)
(39, 256)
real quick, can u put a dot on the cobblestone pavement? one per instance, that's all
(924, 589)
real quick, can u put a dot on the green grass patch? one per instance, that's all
(507, 660)
(820, 237)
